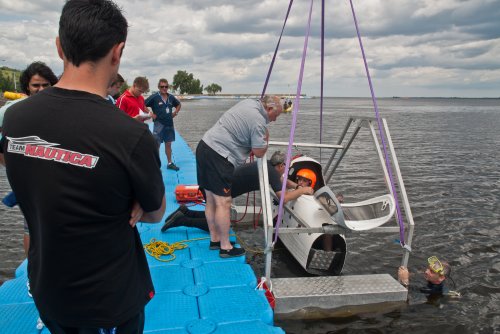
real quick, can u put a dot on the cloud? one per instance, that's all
(413, 47)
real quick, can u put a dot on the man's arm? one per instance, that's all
(177, 109)
(294, 194)
(154, 216)
(291, 185)
(138, 214)
(259, 152)
(177, 104)
(2, 159)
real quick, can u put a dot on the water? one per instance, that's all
(447, 151)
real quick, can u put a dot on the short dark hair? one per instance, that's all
(33, 69)
(141, 82)
(88, 29)
(118, 79)
(162, 80)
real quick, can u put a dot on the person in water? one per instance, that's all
(435, 274)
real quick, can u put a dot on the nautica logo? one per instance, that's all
(34, 147)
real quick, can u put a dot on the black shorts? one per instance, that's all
(214, 172)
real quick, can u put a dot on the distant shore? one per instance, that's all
(187, 97)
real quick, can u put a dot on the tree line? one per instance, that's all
(186, 83)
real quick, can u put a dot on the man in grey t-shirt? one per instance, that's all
(240, 131)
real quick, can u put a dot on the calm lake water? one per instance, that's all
(448, 154)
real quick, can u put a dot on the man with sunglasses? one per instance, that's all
(162, 104)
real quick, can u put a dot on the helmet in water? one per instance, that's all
(307, 174)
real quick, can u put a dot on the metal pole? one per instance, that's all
(381, 159)
(339, 142)
(342, 154)
(266, 214)
(402, 189)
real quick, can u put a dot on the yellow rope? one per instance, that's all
(157, 249)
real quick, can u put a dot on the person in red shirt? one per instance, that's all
(132, 102)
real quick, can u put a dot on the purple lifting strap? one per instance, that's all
(294, 121)
(381, 133)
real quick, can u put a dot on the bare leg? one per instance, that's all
(222, 220)
(210, 208)
(168, 151)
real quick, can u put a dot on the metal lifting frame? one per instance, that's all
(359, 123)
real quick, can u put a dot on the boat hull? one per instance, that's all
(317, 253)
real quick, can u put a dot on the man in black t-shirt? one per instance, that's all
(84, 174)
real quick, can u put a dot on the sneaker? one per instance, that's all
(170, 221)
(233, 252)
(214, 245)
(29, 288)
(172, 166)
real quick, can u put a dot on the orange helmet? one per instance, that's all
(308, 174)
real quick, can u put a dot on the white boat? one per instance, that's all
(325, 253)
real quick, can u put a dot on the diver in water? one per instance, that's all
(435, 274)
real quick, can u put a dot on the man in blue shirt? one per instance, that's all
(162, 104)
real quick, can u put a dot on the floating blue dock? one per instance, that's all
(198, 292)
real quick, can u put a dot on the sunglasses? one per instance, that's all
(38, 85)
(164, 86)
(435, 265)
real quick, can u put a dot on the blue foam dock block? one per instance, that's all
(235, 304)
(22, 269)
(225, 274)
(18, 318)
(15, 291)
(171, 278)
(253, 327)
(170, 310)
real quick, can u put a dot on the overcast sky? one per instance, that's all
(414, 47)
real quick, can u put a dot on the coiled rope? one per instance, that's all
(161, 249)
(157, 249)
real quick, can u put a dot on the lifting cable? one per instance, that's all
(276, 51)
(294, 122)
(382, 136)
(322, 75)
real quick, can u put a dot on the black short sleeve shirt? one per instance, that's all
(76, 164)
